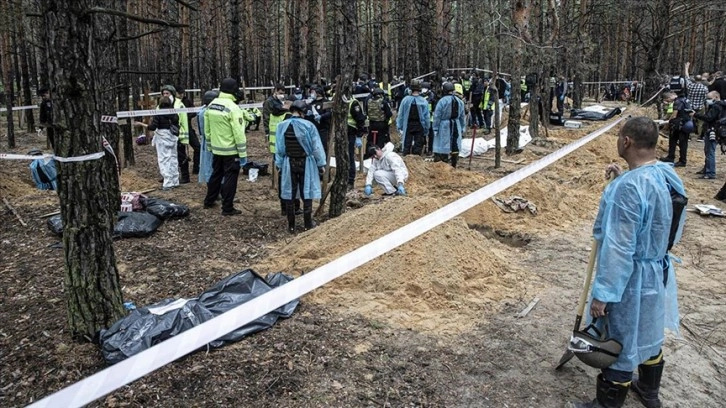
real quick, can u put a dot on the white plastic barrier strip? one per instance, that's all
(18, 108)
(85, 157)
(135, 367)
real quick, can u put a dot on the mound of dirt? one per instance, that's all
(441, 282)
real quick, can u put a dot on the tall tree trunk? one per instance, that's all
(92, 286)
(123, 90)
(6, 71)
(234, 64)
(346, 17)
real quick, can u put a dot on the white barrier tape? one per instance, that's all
(85, 157)
(18, 108)
(135, 367)
(155, 112)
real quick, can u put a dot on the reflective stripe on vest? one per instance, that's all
(351, 120)
(274, 121)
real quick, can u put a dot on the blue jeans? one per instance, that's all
(709, 148)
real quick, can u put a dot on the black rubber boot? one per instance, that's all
(454, 159)
(721, 195)
(308, 214)
(290, 216)
(647, 385)
(283, 207)
(608, 395)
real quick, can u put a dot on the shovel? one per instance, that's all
(583, 299)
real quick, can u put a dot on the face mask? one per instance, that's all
(298, 97)
(313, 95)
(709, 102)
(281, 96)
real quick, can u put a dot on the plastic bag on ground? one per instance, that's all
(55, 224)
(147, 326)
(128, 225)
(135, 224)
(165, 209)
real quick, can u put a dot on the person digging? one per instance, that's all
(387, 169)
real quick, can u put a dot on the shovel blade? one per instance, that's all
(564, 359)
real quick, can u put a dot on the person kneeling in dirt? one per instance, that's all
(634, 270)
(300, 159)
(387, 169)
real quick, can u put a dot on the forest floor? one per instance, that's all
(430, 324)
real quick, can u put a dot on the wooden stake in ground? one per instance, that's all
(11, 208)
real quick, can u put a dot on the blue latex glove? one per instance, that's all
(358, 142)
(317, 118)
(309, 113)
(368, 190)
(562, 97)
(400, 190)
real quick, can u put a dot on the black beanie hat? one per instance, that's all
(229, 85)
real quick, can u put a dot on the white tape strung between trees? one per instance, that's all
(85, 157)
(133, 368)
(19, 108)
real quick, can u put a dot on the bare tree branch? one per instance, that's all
(134, 37)
(187, 5)
(133, 17)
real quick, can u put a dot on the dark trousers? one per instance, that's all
(297, 183)
(256, 122)
(352, 134)
(488, 119)
(227, 168)
(680, 139)
(414, 139)
(51, 136)
(196, 147)
(181, 155)
(622, 376)
(476, 113)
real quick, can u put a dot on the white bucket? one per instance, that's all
(126, 206)
(253, 174)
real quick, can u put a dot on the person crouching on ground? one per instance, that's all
(387, 169)
(166, 136)
(300, 159)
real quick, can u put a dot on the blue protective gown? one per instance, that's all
(205, 155)
(444, 124)
(632, 228)
(308, 137)
(423, 113)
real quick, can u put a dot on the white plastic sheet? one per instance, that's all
(481, 145)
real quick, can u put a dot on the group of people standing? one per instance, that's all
(695, 106)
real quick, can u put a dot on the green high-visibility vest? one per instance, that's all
(351, 120)
(274, 121)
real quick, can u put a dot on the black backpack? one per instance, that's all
(678, 84)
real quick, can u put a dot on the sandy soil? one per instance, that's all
(432, 323)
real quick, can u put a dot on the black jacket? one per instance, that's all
(713, 113)
(164, 121)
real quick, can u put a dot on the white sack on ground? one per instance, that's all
(481, 146)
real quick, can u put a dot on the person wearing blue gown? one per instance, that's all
(634, 290)
(300, 158)
(449, 124)
(413, 121)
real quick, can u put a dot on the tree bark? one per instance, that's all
(88, 190)
(346, 17)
